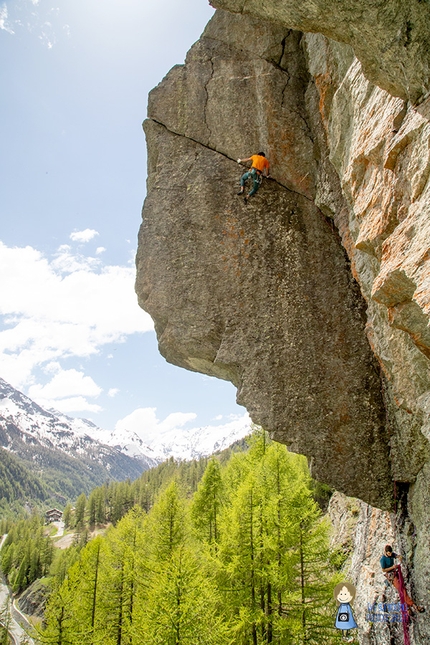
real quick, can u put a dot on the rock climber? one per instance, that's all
(391, 572)
(260, 165)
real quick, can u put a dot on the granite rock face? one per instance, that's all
(266, 298)
(313, 299)
(361, 533)
(390, 37)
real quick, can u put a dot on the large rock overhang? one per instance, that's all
(259, 294)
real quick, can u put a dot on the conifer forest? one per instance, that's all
(231, 550)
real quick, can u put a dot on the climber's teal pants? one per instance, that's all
(256, 178)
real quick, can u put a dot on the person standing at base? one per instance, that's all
(390, 569)
(260, 165)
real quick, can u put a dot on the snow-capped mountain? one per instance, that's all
(180, 443)
(24, 422)
(37, 435)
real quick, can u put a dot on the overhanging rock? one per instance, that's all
(262, 295)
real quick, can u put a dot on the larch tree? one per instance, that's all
(206, 504)
(179, 603)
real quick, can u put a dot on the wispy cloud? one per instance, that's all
(44, 22)
(83, 236)
(61, 307)
(71, 404)
(4, 24)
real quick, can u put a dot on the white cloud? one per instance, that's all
(147, 426)
(64, 384)
(70, 306)
(83, 236)
(113, 391)
(66, 261)
(100, 249)
(3, 19)
(71, 404)
(67, 391)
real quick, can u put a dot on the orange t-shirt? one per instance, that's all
(259, 162)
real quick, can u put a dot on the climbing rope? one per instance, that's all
(405, 614)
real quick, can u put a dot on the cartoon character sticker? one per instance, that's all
(344, 594)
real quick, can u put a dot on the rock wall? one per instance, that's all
(312, 298)
(390, 38)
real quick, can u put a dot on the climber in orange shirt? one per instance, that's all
(260, 165)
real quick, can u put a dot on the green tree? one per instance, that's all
(207, 502)
(311, 603)
(80, 506)
(119, 577)
(274, 595)
(67, 515)
(183, 606)
(178, 603)
(60, 619)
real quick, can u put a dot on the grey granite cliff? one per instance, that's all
(313, 298)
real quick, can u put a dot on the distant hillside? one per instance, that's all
(44, 456)
(110, 502)
(48, 457)
(16, 482)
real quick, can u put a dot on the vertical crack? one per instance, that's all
(207, 101)
(309, 132)
(285, 88)
(283, 44)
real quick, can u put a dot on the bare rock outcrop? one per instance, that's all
(266, 296)
(390, 37)
(314, 298)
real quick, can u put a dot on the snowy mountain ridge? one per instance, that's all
(21, 418)
(181, 443)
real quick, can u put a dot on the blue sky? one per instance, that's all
(75, 75)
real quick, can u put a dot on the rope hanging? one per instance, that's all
(405, 614)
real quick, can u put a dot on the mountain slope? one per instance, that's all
(70, 456)
(59, 450)
(16, 482)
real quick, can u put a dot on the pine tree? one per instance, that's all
(183, 606)
(60, 620)
(311, 604)
(119, 577)
(275, 595)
